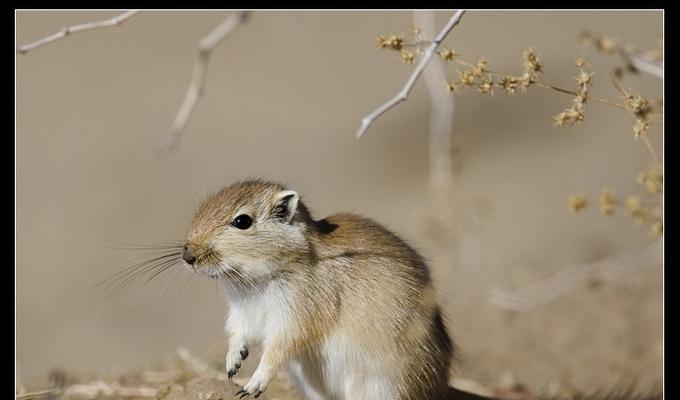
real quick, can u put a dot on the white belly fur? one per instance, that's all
(336, 369)
(339, 370)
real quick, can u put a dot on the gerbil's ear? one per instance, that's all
(285, 205)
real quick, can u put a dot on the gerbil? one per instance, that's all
(344, 304)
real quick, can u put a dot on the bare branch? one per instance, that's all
(441, 113)
(35, 395)
(195, 90)
(570, 279)
(69, 30)
(367, 121)
(644, 64)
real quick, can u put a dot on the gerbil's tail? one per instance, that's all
(627, 394)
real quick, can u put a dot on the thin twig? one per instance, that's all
(195, 90)
(199, 366)
(69, 30)
(555, 88)
(570, 279)
(650, 147)
(643, 64)
(367, 121)
(441, 114)
(35, 395)
(598, 99)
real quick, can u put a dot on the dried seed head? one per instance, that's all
(527, 79)
(636, 210)
(652, 179)
(531, 61)
(577, 203)
(447, 54)
(607, 209)
(560, 120)
(480, 68)
(509, 83)
(640, 127)
(466, 77)
(575, 114)
(393, 42)
(451, 87)
(638, 104)
(581, 62)
(584, 78)
(580, 101)
(571, 115)
(633, 204)
(606, 44)
(607, 202)
(407, 57)
(396, 42)
(486, 87)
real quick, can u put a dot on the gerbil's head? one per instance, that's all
(246, 231)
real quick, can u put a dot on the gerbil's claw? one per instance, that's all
(234, 359)
(244, 395)
(257, 394)
(242, 391)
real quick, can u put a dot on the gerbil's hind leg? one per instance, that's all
(370, 387)
(306, 379)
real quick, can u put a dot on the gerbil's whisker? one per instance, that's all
(223, 276)
(172, 277)
(185, 283)
(132, 268)
(232, 275)
(160, 271)
(132, 277)
(155, 265)
(141, 247)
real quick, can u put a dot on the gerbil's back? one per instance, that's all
(358, 236)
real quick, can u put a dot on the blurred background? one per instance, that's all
(284, 96)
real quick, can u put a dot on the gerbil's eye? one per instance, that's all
(242, 222)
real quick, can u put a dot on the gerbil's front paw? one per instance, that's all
(234, 358)
(255, 386)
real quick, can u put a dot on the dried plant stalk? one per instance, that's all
(570, 279)
(648, 66)
(196, 86)
(69, 30)
(367, 121)
(441, 113)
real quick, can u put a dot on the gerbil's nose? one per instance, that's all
(188, 256)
